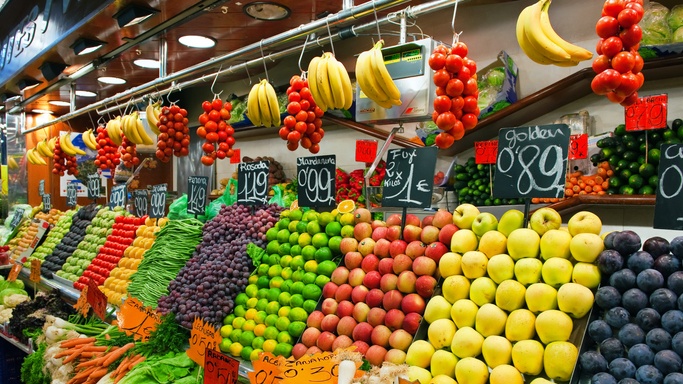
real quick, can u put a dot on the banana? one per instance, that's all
(11, 163)
(382, 74)
(313, 85)
(253, 112)
(140, 129)
(577, 53)
(37, 158)
(51, 144)
(266, 118)
(346, 84)
(31, 156)
(68, 147)
(336, 86)
(273, 104)
(89, 139)
(538, 38)
(524, 42)
(114, 130)
(152, 114)
(368, 83)
(44, 149)
(323, 81)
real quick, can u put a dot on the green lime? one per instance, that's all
(626, 190)
(246, 352)
(620, 130)
(309, 277)
(613, 160)
(646, 190)
(607, 152)
(262, 269)
(347, 231)
(625, 174)
(272, 246)
(668, 134)
(271, 319)
(286, 285)
(310, 215)
(286, 260)
(283, 249)
(260, 317)
(239, 311)
(283, 299)
(241, 298)
(622, 164)
(284, 336)
(257, 343)
(274, 270)
(282, 323)
(295, 214)
(296, 300)
(297, 287)
(284, 311)
(297, 314)
(310, 305)
(646, 170)
(322, 254)
(634, 167)
(226, 330)
(311, 266)
(301, 226)
(321, 280)
(653, 181)
(333, 228)
(334, 243)
(320, 240)
(273, 294)
(283, 349)
(294, 238)
(224, 346)
(271, 234)
(298, 275)
(235, 335)
(296, 328)
(292, 225)
(311, 292)
(265, 260)
(308, 252)
(229, 318)
(653, 155)
(251, 290)
(297, 263)
(285, 275)
(313, 227)
(283, 223)
(295, 250)
(304, 239)
(261, 304)
(283, 236)
(326, 268)
(274, 259)
(271, 333)
(630, 155)
(272, 307)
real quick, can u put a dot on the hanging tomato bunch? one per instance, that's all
(303, 125)
(214, 128)
(174, 136)
(108, 156)
(457, 93)
(63, 162)
(129, 153)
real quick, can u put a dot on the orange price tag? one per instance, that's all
(14, 273)
(137, 320)
(35, 271)
(82, 305)
(97, 300)
(366, 150)
(316, 368)
(203, 336)
(404, 381)
(267, 369)
(578, 147)
(485, 152)
(220, 369)
(648, 112)
(236, 156)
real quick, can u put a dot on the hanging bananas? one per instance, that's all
(89, 139)
(114, 131)
(329, 83)
(374, 79)
(541, 43)
(51, 144)
(44, 149)
(35, 158)
(67, 146)
(263, 109)
(132, 128)
(152, 113)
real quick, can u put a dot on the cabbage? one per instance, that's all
(11, 291)
(656, 30)
(675, 18)
(677, 37)
(495, 77)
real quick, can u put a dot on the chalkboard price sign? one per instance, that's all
(16, 218)
(252, 183)
(196, 195)
(94, 185)
(41, 187)
(669, 200)
(71, 194)
(532, 161)
(141, 202)
(409, 178)
(117, 198)
(158, 201)
(315, 176)
(47, 202)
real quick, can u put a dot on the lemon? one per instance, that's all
(235, 349)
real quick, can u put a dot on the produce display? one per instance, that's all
(29, 316)
(133, 130)
(303, 123)
(216, 131)
(330, 84)
(23, 242)
(52, 216)
(20, 233)
(374, 78)
(472, 182)
(174, 136)
(53, 238)
(115, 286)
(219, 269)
(262, 105)
(107, 150)
(271, 312)
(11, 295)
(173, 246)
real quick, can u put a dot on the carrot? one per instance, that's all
(77, 341)
(72, 357)
(84, 374)
(98, 373)
(89, 363)
(115, 355)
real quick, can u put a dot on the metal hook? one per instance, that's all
(301, 56)
(374, 10)
(100, 121)
(168, 95)
(329, 33)
(456, 36)
(260, 44)
(91, 121)
(246, 68)
(216, 95)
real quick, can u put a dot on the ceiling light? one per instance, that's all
(196, 41)
(7, 96)
(26, 83)
(86, 94)
(83, 46)
(59, 103)
(133, 14)
(267, 10)
(111, 80)
(51, 70)
(42, 111)
(146, 63)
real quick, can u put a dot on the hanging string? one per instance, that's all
(456, 35)
(216, 95)
(265, 68)
(374, 10)
(329, 33)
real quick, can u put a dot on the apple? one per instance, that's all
(329, 306)
(425, 285)
(446, 234)
(400, 339)
(416, 248)
(545, 219)
(370, 263)
(528, 270)
(310, 336)
(423, 265)
(345, 308)
(372, 279)
(586, 247)
(394, 319)
(575, 299)
(397, 247)
(348, 244)
(329, 289)
(427, 220)
(378, 223)
(464, 240)
(360, 311)
(362, 215)
(586, 274)
(361, 347)
(376, 316)
(380, 335)
(346, 325)
(375, 355)
(374, 298)
(435, 250)
(382, 248)
(362, 231)
(413, 220)
(493, 243)
(413, 303)
(429, 234)
(584, 222)
(392, 299)
(343, 292)
(299, 350)
(483, 223)
(406, 282)
(442, 218)
(388, 282)
(356, 277)
(329, 323)
(362, 332)
(325, 341)
(555, 243)
(464, 215)
(394, 233)
(511, 220)
(315, 319)
(411, 233)
(411, 323)
(340, 275)
(353, 260)
(394, 219)
(402, 263)
(523, 242)
(395, 356)
(342, 342)
(359, 293)
(314, 349)
(366, 246)
(386, 266)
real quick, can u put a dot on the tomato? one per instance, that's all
(630, 99)
(601, 63)
(214, 115)
(301, 126)
(623, 61)
(206, 106)
(470, 104)
(470, 64)
(444, 140)
(441, 91)
(283, 132)
(629, 84)
(441, 77)
(301, 116)
(442, 49)
(230, 130)
(612, 7)
(173, 109)
(225, 114)
(613, 97)
(453, 63)
(464, 74)
(469, 121)
(222, 125)
(212, 137)
(606, 81)
(289, 121)
(222, 136)
(298, 83)
(611, 46)
(310, 128)
(631, 37)
(211, 126)
(638, 7)
(293, 136)
(458, 130)
(637, 62)
(305, 93)
(442, 104)
(311, 117)
(445, 121)
(315, 137)
(628, 17)
(437, 61)
(435, 114)
(220, 155)
(306, 142)
(203, 118)
(305, 105)
(641, 79)
(454, 88)
(163, 136)
(292, 145)
(315, 148)
(206, 160)
(456, 104)
(471, 87)
(318, 112)
(216, 104)
(228, 106)
(293, 108)
(460, 49)
(607, 26)
(229, 153)
(317, 123)
(598, 46)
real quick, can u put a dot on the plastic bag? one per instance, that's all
(178, 210)
(655, 27)
(230, 194)
(277, 197)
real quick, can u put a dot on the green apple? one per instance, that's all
(483, 223)
(586, 274)
(586, 247)
(464, 240)
(555, 243)
(545, 219)
(528, 270)
(473, 264)
(540, 297)
(510, 221)
(493, 243)
(575, 300)
(557, 271)
(523, 242)
(584, 222)
(500, 268)
(464, 215)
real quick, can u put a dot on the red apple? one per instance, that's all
(345, 308)
(412, 322)
(394, 319)
(374, 298)
(376, 316)
(388, 282)
(415, 248)
(375, 355)
(346, 326)
(366, 246)
(362, 215)
(397, 247)
(424, 286)
(394, 219)
(372, 279)
(382, 248)
(353, 260)
(310, 337)
(314, 349)
(429, 234)
(341, 341)
(362, 231)
(385, 266)
(329, 324)
(299, 350)
(411, 233)
(370, 263)
(406, 282)
(427, 220)
(360, 312)
(359, 293)
(402, 263)
(343, 293)
(400, 339)
(380, 335)
(435, 250)
(413, 220)
(348, 244)
(340, 275)
(378, 223)
(379, 233)
(442, 218)
(315, 319)
(413, 303)
(361, 346)
(329, 306)
(394, 232)
(446, 234)
(423, 265)
(362, 332)
(392, 299)
(325, 341)
(356, 277)
(329, 289)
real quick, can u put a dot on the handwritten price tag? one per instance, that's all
(203, 336)
(366, 150)
(267, 369)
(317, 368)
(14, 273)
(82, 305)
(578, 146)
(485, 152)
(35, 271)
(220, 369)
(648, 112)
(97, 300)
(137, 320)
(236, 156)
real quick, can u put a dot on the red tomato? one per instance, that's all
(469, 121)
(301, 116)
(305, 104)
(601, 63)
(613, 97)
(464, 74)
(315, 148)
(224, 146)
(606, 81)
(214, 115)
(211, 137)
(456, 104)
(301, 126)
(228, 106)
(460, 49)
(470, 104)
(437, 61)
(211, 126)
(628, 17)
(435, 114)
(203, 118)
(293, 108)
(454, 87)
(612, 7)
(636, 6)
(230, 130)
(311, 117)
(611, 46)
(225, 114)
(470, 64)
(444, 140)
(442, 104)
(220, 154)
(306, 142)
(607, 26)
(441, 77)
(623, 61)
(217, 104)
(637, 62)
(631, 37)
(310, 128)
(206, 160)
(442, 49)
(294, 96)
(445, 121)
(641, 79)
(453, 63)
(292, 145)
(441, 91)
(598, 46)
(293, 136)
(289, 121)
(305, 93)
(283, 132)
(629, 84)
(458, 130)
(315, 137)
(630, 99)
(222, 135)
(471, 87)
(206, 106)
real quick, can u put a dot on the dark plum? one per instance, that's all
(675, 282)
(612, 348)
(640, 261)
(641, 354)
(592, 362)
(630, 335)
(667, 361)
(607, 297)
(609, 239)
(673, 378)
(649, 374)
(672, 321)
(622, 368)
(617, 317)
(676, 246)
(667, 264)
(626, 242)
(656, 246)
(677, 343)
(658, 339)
(603, 378)
(634, 300)
(663, 300)
(648, 319)
(609, 261)
(623, 280)
(598, 331)
(649, 280)
(628, 380)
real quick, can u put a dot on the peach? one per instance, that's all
(400, 339)
(374, 298)
(394, 219)
(341, 341)
(385, 266)
(359, 293)
(348, 244)
(361, 346)
(343, 292)
(378, 223)
(412, 322)
(299, 350)
(406, 282)
(395, 356)
(310, 337)
(372, 279)
(392, 299)
(427, 220)
(346, 325)
(376, 316)
(425, 285)
(356, 277)
(380, 335)
(402, 263)
(361, 231)
(397, 247)
(375, 355)
(412, 219)
(394, 233)
(360, 312)
(329, 306)
(315, 319)
(394, 319)
(415, 248)
(446, 234)
(388, 282)
(370, 263)
(362, 332)
(340, 275)
(329, 324)
(325, 341)
(353, 260)
(423, 265)
(313, 350)
(379, 233)
(435, 250)
(382, 248)
(429, 234)
(345, 308)
(412, 233)
(442, 217)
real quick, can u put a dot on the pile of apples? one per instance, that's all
(216, 131)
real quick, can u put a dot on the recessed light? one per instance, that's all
(133, 14)
(83, 46)
(111, 80)
(267, 11)
(196, 41)
(42, 111)
(146, 63)
(27, 83)
(59, 103)
(86, 94)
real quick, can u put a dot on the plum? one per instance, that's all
(667, 264)
(676, 246)
(658, 339)
(592, 362)
(672, 321)
(675, 282)
(641, 354)
(663, 300)
(623, 280)
(656, 246)
(609, 240)
(612, 348)
(622, 368)
(667, 361)
(640, 261)
(649, 374)
(634, 300)
(607, 297)
(630, 335)
(609, 261)
(649, 280)
(626, 242)
(673, 378)
(617, 317)
(603, 378)
(628, 380)
(648, 319)
(599, 331)
(677, 343)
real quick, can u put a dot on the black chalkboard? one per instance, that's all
(252, 183)
(315, 179)
(532, 161)
(158, 201)
(47, 202)
(41, 187)
(94, 186)
(196, 195)
(71, 194)
(141, 198)
(409, 178)
(117, 198)
(16, 218)
(669, 200)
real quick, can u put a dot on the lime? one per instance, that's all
(614, 182)
(325, 218)
(283, 236)
(297, 314)
(235, 335)
(321, 280)
(273, 294)
(261, 304)
(258, 341)
(246, 352)
(310, 215)
(625, 174)
(266, 259)
(298, 275)
(286, 285)
(255, 354)
(646, 190)
(308, 252)
(249, 325)
(653, 155)
(347, 219)
(646, 170)
(239, 311)
(283, 222)
(310, 266)
(295, 214)
(251, 302)
(635, 181)
(304, 239)
(630, 155)
(634, 167)
(310, 305)
(253, 278)
(229, 318)
(269, 345)
(311, 292)
(297, 287)
(334, 243)
(283, 349)
(250, 314)
(271, 319)
(283, 299)
(276, 282)
(296, 328)
(313, 227)
(262, 269)
(620, 130)
(668, 134)
(260, 317)
(326, 268)
(309, 278)
(284, 311)
(301, 226)
(286, 274)
(319, 240)
(293, 238)
(250, 291)
(271, 333)
(235, 349)
(225, 344)
(284, 337)
(292, 226)
(296, 300)
(653, 181)
(622, 164)
(263, 292)
(297, 262)
(626, 190)
(241, 298)
(283, 249)
(347, 231)
(274, 259)
(271, 234)
(226, 329)
(282, 323)
(274, 270)
(295, 250)
(322, 254)
(272, 307)
(272, 246)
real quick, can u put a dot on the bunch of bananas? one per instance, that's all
(34, 157)
(374, 78)
(132, 128)
(67, 146)
(89, 139)
(114, 130)
(329, 83)
(152, 113)
(44, 149)
(263, 108)
(541, 43)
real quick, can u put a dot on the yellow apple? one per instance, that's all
(511, 220)
(557, 271)
(464, 215)
(493, 243)
(501, 267)
(540, 297)
(575, 300)
(555, 243)
(528, 271)
(545, 219)
(586, 247)
(584, 222)
(464, 240)
(586, 274)
(522, 243)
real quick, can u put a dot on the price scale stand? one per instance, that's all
(368, 173)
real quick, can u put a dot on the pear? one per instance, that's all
(441, 332)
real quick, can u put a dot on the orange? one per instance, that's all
(346, 206)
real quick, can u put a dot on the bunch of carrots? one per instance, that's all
(93, 361)
(579, 184)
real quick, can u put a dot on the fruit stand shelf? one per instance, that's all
(10, 339)
(577, 202)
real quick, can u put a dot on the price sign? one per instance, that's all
(315, 178)
(532, 161)
(578, 147)
(669, 199)
(97, 299)
(236, 155)
(366, 150)
(94, 185)
(35, 271)
(158, 201)
(47, 202)
(141, 202)
(137, 320)
(196, 196)
(316, 368)
(252, 183)
(14, 272)
(219, 368)
(649, 112)
(16, 218)
(409, 178)
(82, 305)
(267, 369)
(41, 187)
(117, 198)
(71, 195)
(485, 152)
(203, 336)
